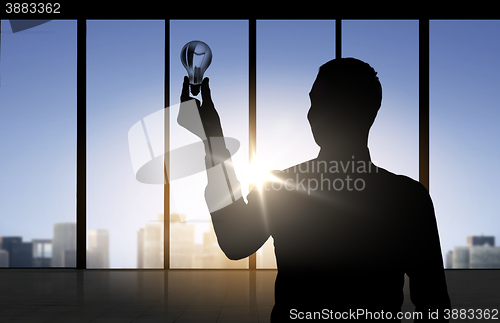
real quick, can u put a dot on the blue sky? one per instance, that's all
(464, 128)
(125, 78)
(37, 129)
(125, 61)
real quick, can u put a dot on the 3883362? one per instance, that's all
(32, 7)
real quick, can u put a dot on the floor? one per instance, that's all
(140, 296)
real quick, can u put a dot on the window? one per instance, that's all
(464, 140)
(125, 75)
(391, 48)
(193, 243)
(38, 144)
(289, 54)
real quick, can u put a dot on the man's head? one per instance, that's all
(345, 99)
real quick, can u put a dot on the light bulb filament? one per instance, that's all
(197, 64)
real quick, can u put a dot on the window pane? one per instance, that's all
(125, 84)
(289, 54)
(465, 154)
(193, 243)
(391, 48)
(38, 143)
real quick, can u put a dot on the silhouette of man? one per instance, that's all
(345, 231)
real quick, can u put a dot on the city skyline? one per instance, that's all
(480, 252)
(185, 252)
(60, 251)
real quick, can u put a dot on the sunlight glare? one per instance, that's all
(258, 174)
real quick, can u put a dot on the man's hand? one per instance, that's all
(190, 115)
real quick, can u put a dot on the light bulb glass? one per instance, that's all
(196, 56)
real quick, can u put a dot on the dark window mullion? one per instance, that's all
(338, 38)
(423, 103)
(81, 146)
(252, 105)
(166, 187)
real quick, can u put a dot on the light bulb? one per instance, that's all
(196, 56)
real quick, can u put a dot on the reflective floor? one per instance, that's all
(66, 295)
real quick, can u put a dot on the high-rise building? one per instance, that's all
(152, 244)
(7, 243)
(4, 258)
(64, 240)
(42, 252)
(449, 259)
(484, 256)
(461, 257)
(140, 248)
(20, 253)
(182, 246)
(69, 258)
(184, 252)
(481, 240)
(98, 253)
(480, 252)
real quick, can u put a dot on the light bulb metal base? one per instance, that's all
(195, 88)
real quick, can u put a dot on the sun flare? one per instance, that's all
(259, 174)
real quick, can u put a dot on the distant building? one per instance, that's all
(184, 251)
(480, 252)
(449, 259)
(484, 257)
(461, 257)
(69, 258)
(4, 258)
(42, 252)
(64, 240)
(7, 243)
(481, 240)
(150, 245)
(98, 253)
(182, 246)
(20, 253)
(140, 248)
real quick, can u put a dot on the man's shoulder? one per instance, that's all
(404, 185)
(401, 178)
(320, 166)
(380, 179)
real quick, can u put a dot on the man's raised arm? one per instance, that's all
(240, 228)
